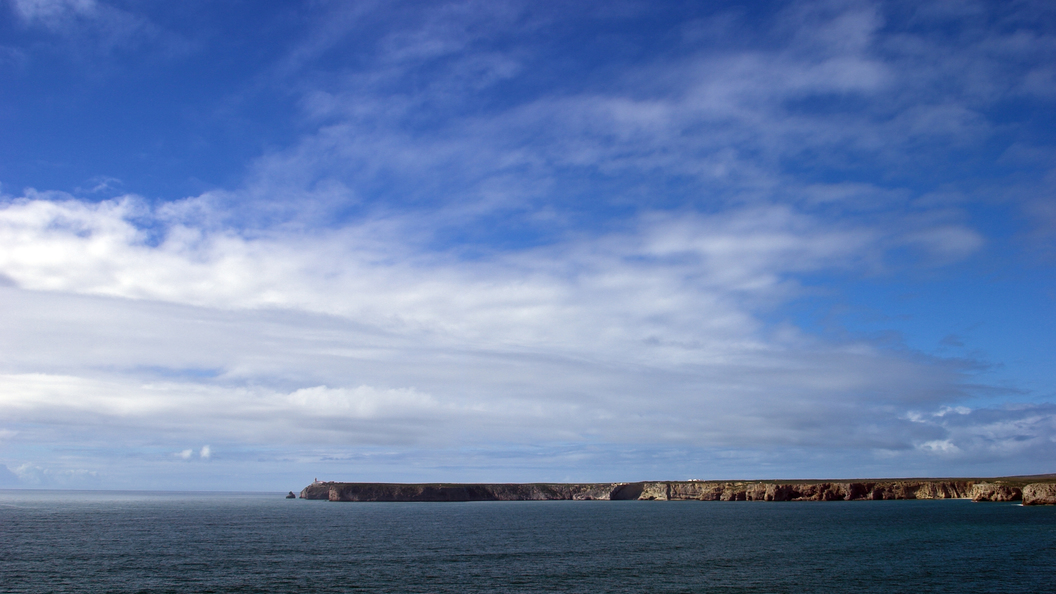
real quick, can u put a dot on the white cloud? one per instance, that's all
(947, 243)
(42, 475)
(52, 11)
(944, 446)
(366, 273)
(91, 27)
(744, 119)
(354, 337)
(205, 452)
(946, 410)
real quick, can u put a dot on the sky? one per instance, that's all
(245, 245)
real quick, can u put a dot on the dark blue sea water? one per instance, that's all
(179, 542)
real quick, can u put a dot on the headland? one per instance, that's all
(1030, 490)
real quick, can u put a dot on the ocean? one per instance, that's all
(56, 541)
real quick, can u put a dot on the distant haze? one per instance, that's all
(245, 245)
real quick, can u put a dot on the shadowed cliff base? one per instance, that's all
(1031, 490)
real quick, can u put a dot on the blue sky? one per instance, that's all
(244, 246)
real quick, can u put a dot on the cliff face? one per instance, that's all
(806, 491)
(1004, 490)
(457, 491)
(316, 490)
(1039, 494)
(995, 492)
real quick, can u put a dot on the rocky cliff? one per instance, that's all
(1039, 494)
(1039, 490)
(457, 491)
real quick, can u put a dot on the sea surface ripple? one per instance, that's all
(53, 541)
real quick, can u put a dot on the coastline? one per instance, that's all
(1030, 490)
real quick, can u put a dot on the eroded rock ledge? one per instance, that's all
(1039, 490)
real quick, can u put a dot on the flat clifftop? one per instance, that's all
(1031, 490)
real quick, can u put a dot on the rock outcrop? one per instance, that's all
(1041, 493)
(995, 492)
(316, 490)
